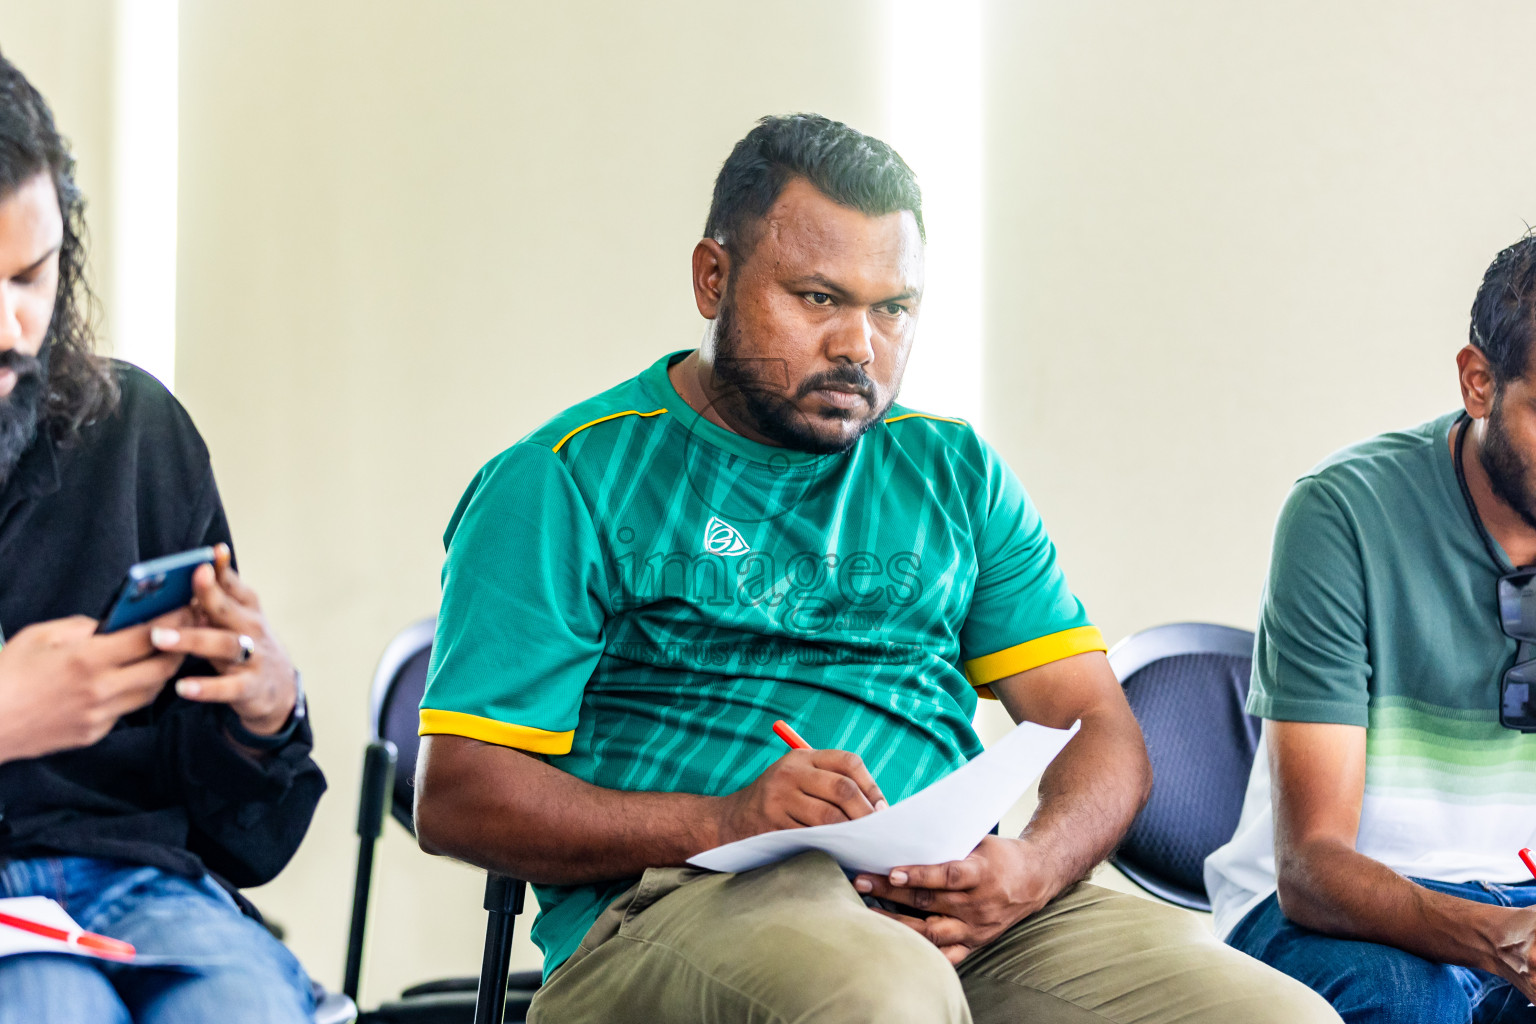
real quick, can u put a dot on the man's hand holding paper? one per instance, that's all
(967, 903)
(940, 823)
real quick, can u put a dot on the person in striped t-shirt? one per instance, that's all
(1376, 857)
(751, 531)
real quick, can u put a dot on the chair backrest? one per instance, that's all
(398, 684)
(1187, 684)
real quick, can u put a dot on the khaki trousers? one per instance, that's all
(794, 943)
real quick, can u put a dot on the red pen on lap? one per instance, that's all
(1530, 865)
(101, 945)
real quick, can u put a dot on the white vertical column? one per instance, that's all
(935, 96)
(144, 186)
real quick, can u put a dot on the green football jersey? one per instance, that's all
(637, 594)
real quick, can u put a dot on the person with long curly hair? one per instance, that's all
(148, 773)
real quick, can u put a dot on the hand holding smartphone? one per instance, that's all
(153, 588)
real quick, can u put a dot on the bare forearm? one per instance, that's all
(1330, 888)
(1088, 797)
(514, 814)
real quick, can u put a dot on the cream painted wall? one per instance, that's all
(64, 47)
(409, 234)
(1225, 240)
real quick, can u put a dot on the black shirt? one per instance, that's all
(164, 787)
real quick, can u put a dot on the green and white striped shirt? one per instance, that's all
(1381, 611)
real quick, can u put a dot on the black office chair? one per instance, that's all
(1187, 683)
(389, 768)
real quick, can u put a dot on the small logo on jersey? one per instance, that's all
(721, 538)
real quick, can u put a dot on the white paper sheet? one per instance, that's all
(44, 911)
(932, 826)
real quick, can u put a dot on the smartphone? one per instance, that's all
(153, 588)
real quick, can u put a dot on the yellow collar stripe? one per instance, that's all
(604, 419)
(925, 416)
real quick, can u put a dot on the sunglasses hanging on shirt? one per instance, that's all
(1517, 614)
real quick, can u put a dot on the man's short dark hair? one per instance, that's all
(1504, 311)
(846, 165)
(81, 385)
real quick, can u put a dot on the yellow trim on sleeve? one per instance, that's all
(925, 416)
(989, 668)
(488, 730)
(604, 419)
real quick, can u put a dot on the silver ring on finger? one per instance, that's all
(247, 648)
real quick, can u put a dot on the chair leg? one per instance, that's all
(378, 776)
(503, 902)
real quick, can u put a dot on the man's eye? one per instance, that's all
(893, 309)
(819, 298)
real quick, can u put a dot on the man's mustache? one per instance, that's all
(25, 366)
(843, 378)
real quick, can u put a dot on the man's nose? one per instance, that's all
(10, 318)
(854, 339)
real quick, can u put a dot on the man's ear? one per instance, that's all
(1477, 384)
(711, 271)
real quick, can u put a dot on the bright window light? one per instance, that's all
(143, 268)
(935, 91)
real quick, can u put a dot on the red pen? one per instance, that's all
(1530, 865)
(791, 737)
(100, 945)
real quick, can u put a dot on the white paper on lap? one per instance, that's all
(42, 910)
(932, 826)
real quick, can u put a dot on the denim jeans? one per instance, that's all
(1369, 983)
(241, 973)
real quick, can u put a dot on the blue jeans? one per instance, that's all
(242, 975)
(1373, 984)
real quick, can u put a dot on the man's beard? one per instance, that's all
(1508, 469)
(748, 385)
(19, 409)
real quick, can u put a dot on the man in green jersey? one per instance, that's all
(751, 531)
(1376, 857)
